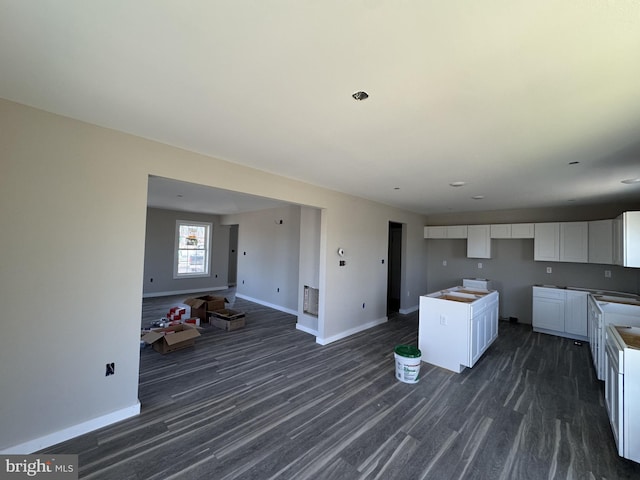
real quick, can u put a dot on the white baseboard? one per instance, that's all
(348, 333)
(267, 304)
(181, 292)
(306, 329)
(72, 432)
(407, 311)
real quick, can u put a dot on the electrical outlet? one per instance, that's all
(443, 320)
(607, 274)
(479, 264)
(444, 263)
(549, 270)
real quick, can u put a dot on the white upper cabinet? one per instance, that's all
(626, 238)
(546, 245)
(561, 242)
(450, 231)
(478, 241)
(435, 232)
(502, 230)
(509, 230)
(574, 242)
(522, 230)
(457, 231)
(601, 242)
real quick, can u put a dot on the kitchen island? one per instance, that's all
(456, 326)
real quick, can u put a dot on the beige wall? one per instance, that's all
(73, 202)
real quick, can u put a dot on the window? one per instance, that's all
(192, 252)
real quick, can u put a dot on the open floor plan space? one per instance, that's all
(266, 401)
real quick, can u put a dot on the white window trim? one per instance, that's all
(207, 260)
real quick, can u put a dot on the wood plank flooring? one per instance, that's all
(267, 402)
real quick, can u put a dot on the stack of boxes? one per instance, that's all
(178, 331)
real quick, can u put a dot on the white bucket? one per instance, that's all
(408, 361)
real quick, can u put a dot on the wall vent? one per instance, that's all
(310, 304)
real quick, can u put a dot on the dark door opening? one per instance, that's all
(394, 267)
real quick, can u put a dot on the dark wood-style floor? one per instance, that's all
(268, 402)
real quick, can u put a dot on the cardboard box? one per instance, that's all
(170, 339)
(227, 319)
(194, 321)
(206, 303)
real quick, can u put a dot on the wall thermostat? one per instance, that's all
(341, 252)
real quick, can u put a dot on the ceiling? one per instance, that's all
(504, 95)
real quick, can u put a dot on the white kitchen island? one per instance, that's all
(456, 326)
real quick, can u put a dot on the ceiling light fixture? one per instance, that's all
(360, 96)
(478, 197)
(631, 181)
(457, 184)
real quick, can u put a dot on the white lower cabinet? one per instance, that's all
(560, 312)
(575, 313)
(622, 389)
(548, 309)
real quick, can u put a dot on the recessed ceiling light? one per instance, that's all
(360, 95)
(457, 184)
(631, 181)
(478, 197)
(574, 163)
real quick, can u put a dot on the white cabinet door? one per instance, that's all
(435, 232)
(456, 231)
(546, 244)
(477, 337)
(450, 231)
(575, 313)
(522, 230)
(502, 230)
(613, 397)
(631, 239)
(548, 309)
(601, 242)
(478, 241)
(574, 238)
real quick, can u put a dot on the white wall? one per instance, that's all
(159, 254)
(268, 254)
(71, 272)
(309, 272)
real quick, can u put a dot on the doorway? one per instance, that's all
(394, 267)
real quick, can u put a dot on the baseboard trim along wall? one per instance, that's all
(72, 432)
(347, 333)
(306, 329)
(267, 304)
(180, 292)
(407, 311)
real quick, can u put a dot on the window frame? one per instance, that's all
(207, 249)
